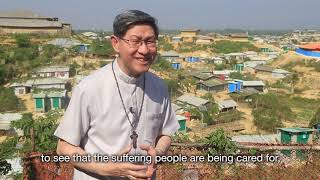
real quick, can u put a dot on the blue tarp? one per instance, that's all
(308, 53)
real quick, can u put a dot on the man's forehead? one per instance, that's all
(141, 31)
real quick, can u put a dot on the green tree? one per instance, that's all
(3, 74)
(232, 46)
(43, 128)
(9, 101)
(236, 75)
(22, 40)
(208, 96)
(73, 69)
(173, 87)
(219, 143)
(220, 67)
(294, 81)
(161, 65)
(269, 111)
(102, 48)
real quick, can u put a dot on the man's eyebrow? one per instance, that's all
(139, 37)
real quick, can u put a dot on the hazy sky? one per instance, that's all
(176, 14)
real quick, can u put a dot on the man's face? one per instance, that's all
(136, 57)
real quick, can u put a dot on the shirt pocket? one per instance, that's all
(152, 127)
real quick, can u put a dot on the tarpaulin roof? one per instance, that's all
(315, 47)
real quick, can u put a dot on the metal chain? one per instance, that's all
(125, 110)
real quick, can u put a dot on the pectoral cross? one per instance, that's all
(134, 137)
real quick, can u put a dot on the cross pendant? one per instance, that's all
(134, 137)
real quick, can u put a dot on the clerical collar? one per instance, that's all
(124, 77)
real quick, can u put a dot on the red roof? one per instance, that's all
(314, 47)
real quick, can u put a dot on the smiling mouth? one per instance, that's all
(143, 60)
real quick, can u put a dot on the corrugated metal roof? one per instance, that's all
(281, 71)
(212, 82)
(193, 100)
(224, 72)
(29, 23)
(235, 54)
(296, 129)
(253, 64)
(227, 104)
(248, 91)
(57, 94)
(89, 34)
(253, 83)
(54, 69)
(20, 14)
(38, 95)
(263, 139)
(180, 118)
(258, 58)
(264, 68)
(63, 42)
(250, 53)
(190, 30)
(16, 84)
(48, 81)
(175, 107)
(6, 118)
(202, 76)
(170, 54)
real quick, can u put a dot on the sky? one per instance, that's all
(181, 14)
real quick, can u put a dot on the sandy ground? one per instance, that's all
(311, 94)
(247, 120)
(28, 102)
(2, 138)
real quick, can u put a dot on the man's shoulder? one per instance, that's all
(154, 78)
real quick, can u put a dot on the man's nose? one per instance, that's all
(143, 48)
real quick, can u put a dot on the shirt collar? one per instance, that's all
(124, 77)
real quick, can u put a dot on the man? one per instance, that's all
(121, 108)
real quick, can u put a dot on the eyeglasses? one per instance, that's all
(133, 43)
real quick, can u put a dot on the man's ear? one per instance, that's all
(115, 43)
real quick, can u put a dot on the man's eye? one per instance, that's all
(151, 42)
(135, 41)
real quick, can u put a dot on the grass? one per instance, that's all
(304, 114)
(303, 108)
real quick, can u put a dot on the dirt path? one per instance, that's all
(291, 56)
(247, 120)
(311, 94)
(28, 102)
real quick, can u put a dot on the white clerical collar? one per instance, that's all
(123, 76)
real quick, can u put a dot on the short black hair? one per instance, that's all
(125, 20)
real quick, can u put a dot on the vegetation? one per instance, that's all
(219, 143)
(245, 77)
(316, 118)
(229, 116)
(9, 101)
(185, 47)
(269, 111)
(25, 56)
(225, 47)
(43, 129)
(102, 48)
(73, 69)
(173, 87)
(164, 45)
(161, 65)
